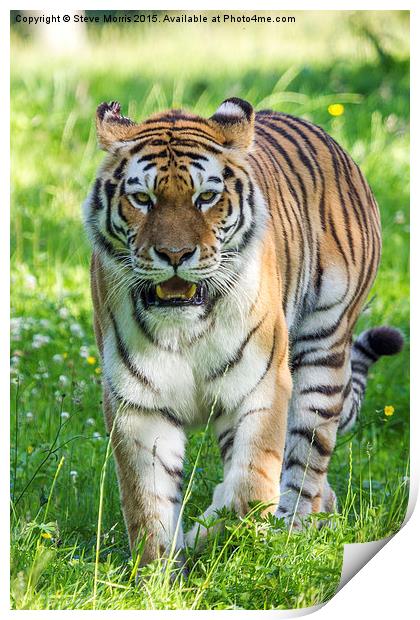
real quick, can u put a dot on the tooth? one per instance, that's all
(160, 292)
(191, 291)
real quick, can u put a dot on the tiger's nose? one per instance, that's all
(175, 256)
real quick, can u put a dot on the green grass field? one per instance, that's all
(66, 552)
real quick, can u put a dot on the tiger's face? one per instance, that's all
(175, 201)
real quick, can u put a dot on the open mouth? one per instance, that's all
(175, 292)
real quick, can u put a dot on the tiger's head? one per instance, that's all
(174, 202)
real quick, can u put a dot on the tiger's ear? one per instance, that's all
(111, 126)
(235, 119)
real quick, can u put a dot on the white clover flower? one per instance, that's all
(29, 416)
(16, 327)
(64, 415)
(39, 340)
(73, 475)
(76, 330)
(14, 361)
(45, 375)
(63, 380)
(84, 351)
(90, 422)
(63, 313)
(45, 323)
(34, 391)
(97, 435)
(57, 358)
(399, 217)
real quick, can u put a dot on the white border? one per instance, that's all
(387, 586)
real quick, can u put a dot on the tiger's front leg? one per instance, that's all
(148, 451)
(252, 442)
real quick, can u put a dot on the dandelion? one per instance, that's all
(64, 415)
(97, 435)
(336, 109)
(29, 449)
(57, 358)
(29, 416)
(63, 380)
(46, 535)
(91, 360)
(90, 422)
(389, 410)
(98, 370)
(63, 313)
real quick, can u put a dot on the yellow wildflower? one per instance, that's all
(336, 109)
(46, 535)
(98, 370)
(389, 410)
(29, 449)
(65, 355)
(91, 360)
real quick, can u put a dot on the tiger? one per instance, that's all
(231, 258)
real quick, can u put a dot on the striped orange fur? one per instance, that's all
(231, 259)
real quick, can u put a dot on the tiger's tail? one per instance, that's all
(366, 350)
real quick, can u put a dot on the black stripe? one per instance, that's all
(118, 172)
(322, 333)
(125, 357)
(110, 189)
(153, 156)
(141, 323)
(267, 367)
(312, 439)
(328, 390)
(299, 490)
(224, 449)
(349, 417)
(369, 354)
(164, 412)
(335, 360)
(302, 156)
(359, 367)
(294, 462)
(361, 384)
(97, 204)
(236, 358)
(174, 472)
(190, 155)
(327, 414)
(197, 165)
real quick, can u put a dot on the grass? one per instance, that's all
(59, 469)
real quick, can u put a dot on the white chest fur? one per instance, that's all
(187, 379)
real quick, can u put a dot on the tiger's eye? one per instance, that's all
(206, 196)
(142, 198)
